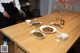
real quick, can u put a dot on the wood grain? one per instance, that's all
(20, 34)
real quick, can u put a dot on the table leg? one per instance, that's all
(15, 48)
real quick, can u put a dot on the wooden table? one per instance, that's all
(20, 34)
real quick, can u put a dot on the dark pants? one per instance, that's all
(14, 15)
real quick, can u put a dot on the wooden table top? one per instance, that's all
(20, 34)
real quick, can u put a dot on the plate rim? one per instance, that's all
(36, 22)
(32, 31)
(48, 26)
(56, 23)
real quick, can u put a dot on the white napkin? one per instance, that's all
(61, 36)
(64, 36)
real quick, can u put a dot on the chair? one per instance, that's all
(36, 13)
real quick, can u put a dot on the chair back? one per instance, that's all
(36, 13)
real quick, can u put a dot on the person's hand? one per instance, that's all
(5, 14)
(21, 11)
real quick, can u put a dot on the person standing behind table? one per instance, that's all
(8, 13)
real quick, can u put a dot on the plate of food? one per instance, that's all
(48, 29)
(38, 34)
(56, 25)
(36, 24)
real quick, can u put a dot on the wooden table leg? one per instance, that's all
(15, 48)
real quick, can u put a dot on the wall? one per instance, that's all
(44, 7)
(72, 7)
(76, 7)
(47, 6)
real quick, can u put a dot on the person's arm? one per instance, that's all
(1, 8)
(5, 14)
(17, 4)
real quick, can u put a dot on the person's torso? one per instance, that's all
(9, 6)
(6, 1)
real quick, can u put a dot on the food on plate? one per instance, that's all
(36, 24)
(38, 34)
(56, 25)
(47, 29)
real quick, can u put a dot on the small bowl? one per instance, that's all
(28, 21)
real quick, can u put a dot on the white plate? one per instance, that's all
(33, 31)
(52, 24)
(36, 22)
(54, 29)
